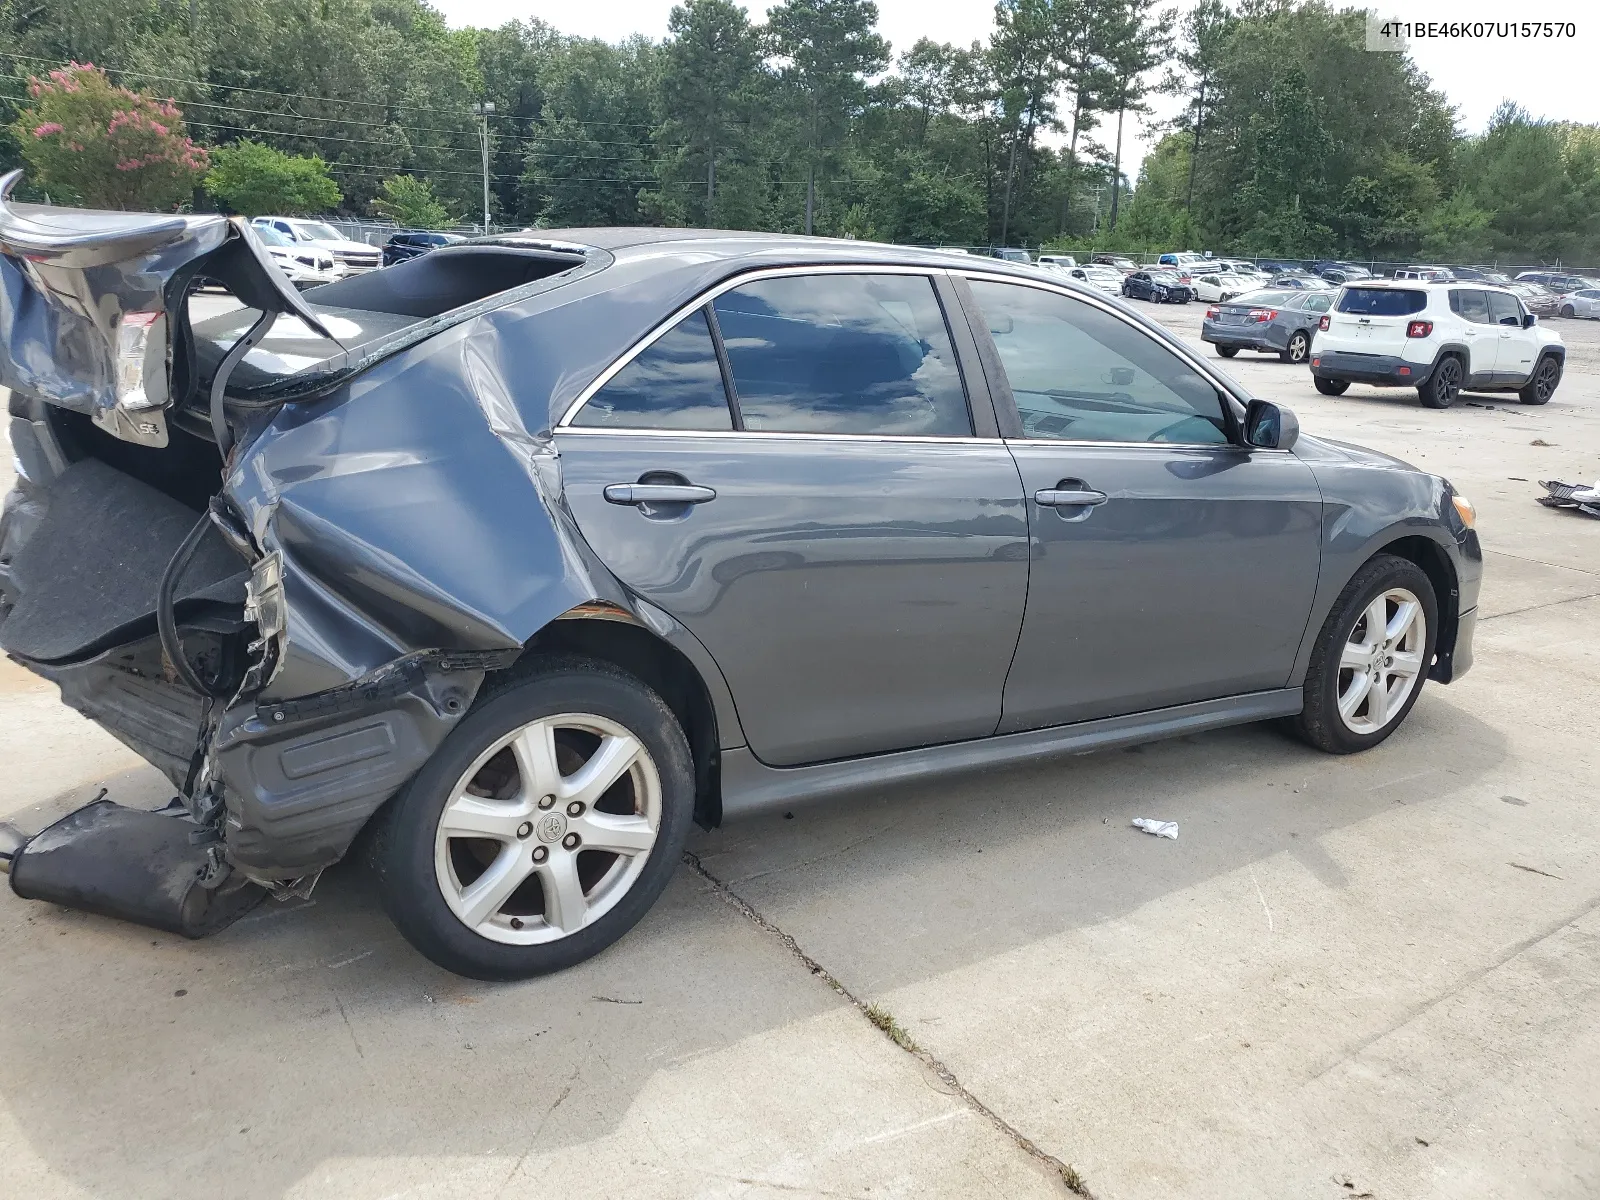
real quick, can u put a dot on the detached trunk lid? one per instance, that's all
(93, 313)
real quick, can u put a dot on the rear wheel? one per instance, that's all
(1331, 387)
(543, 827)
(1568, 311)
(1542, 385)
(1371, 657)
(1227, 351)
(1298, 349)
(1443, 386)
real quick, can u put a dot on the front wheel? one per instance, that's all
(1371, 657)
(544, 826)
(1542, 385)
(1227, 351)
(1443, 386)
(1298, 349)
(1331, 387)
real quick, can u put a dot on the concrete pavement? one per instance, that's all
(1374, 975)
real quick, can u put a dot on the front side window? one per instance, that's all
(857, 354)
(674, 383)
(1080, 374)
(1504, 309)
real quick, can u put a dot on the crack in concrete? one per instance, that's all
(1536, 607)
(875, 1016)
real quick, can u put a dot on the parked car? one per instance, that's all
(411, 243)
(1340, 272)
(1279, 322)
(1556, 281)
(1439, 339)
(1163, 287)
(1242, 266)
(538, 579)
(1214, 286)
(1182, 261)
(1481, 275)
(1273, 266)
(1425, 274)
(1007, 254)
(1105, 279)
(1300, 281)
(1055, 260)
(1583, 303)
(1114, 260)
(306, 266)
(319, 235)
(1535, 297)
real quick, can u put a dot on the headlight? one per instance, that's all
(1469, 515)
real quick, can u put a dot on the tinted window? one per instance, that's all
(1381, 302)
(1081, 374)
(1503, 309)
(674, 383)
(843, 354)
(1470, 305)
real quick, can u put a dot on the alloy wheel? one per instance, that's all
(1544, 384)
(548, 829)
(1299, 347)
(1381, 661)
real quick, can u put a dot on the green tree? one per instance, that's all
(410, 202)
(253, 178)
(1138, 40)
(710, 76)
(106, 145)
(1203, 36)
(828, 48)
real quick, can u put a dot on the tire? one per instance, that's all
(1227, 351)
(1298, 349)
(571, 710)
(1331, 387)
(1444, 385)
(1322, 723)
(1568, 311)
(1543, 382)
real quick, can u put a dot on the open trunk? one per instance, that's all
(133, 579)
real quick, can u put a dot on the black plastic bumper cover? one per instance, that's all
(130, 864)
(1370, 368)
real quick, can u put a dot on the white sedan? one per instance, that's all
(1105, 279)
(1217, 286)
(1583, 303)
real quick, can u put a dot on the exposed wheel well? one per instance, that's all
(664, 669)
(1436, 564)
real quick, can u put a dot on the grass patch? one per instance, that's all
(884, 1020)
(1076, 1183)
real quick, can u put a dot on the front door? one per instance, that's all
(1478, 331)
(850, 554)
(1168, 564)
(1518, 345)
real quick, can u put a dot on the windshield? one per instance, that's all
(1382, 302)
(316, 231)
(270, 236)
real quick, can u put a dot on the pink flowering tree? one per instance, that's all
(109, 146)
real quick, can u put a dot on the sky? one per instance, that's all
(1549, 78)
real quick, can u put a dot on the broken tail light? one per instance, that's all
(1213, 313)
(1419, 329)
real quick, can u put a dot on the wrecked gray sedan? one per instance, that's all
(536, 550)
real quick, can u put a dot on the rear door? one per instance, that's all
(1373, 320)
(1478, 330)
(1518, 345)
(1169, 565)
(845, 541)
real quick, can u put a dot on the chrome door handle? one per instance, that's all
(658, 493)
(1062, 498)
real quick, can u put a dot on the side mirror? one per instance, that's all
(1529, 320)
(1269, 426)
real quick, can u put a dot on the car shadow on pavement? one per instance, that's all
(139, 1064)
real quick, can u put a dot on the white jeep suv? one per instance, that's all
(1438, 338)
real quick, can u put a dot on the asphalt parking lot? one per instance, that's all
(1373, 976)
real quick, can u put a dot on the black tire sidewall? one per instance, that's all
(1430, 392)
(1530, 393)
(1319, 722)
(404, 857)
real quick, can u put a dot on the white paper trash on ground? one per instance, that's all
(1166, 829)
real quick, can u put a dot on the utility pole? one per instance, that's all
(484, 111)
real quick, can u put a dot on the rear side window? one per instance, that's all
(862, 354)
(1318, 304)
(1470, 305)
(1381, 302)
(674, 383)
